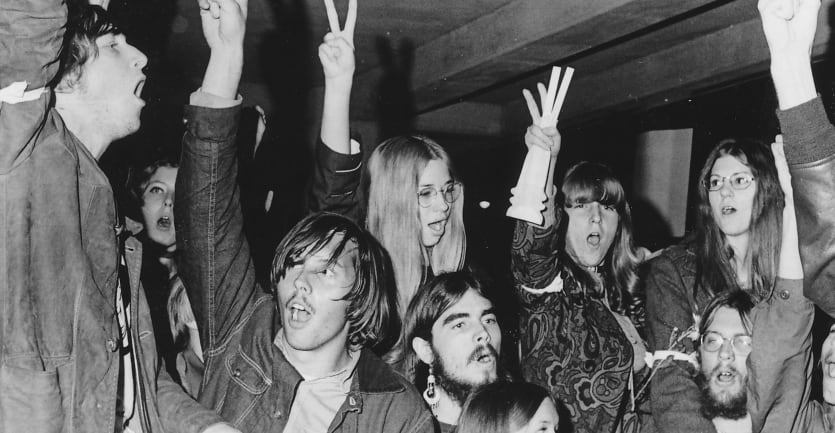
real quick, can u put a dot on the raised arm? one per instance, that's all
(31, 32)
(789, 27)
(336, 175)
(215, 259)
(780, 367)
(535, 248)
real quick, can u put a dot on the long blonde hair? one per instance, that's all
(394, 170)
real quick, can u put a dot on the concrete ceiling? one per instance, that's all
(481, 53)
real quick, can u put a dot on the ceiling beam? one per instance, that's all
(516, 38)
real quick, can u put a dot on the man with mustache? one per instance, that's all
(726, 342)
(453, 341)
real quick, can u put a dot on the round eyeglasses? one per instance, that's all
(738, 181)
(450, 192)
(741, 344)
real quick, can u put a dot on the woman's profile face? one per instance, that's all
(546, 419)
(433, 209)
(158, 207)
(732, 198)
(591, 230)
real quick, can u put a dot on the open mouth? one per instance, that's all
(593, 239)
(484, 356)
(438, 226)
(726, 376)
(137, 91)
(164, 223)
(829, 367)
(728, 210)
(299, 312)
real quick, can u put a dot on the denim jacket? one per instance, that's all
(247, 380)
(59, 258)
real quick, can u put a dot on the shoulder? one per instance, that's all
(378, 378)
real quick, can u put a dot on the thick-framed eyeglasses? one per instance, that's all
(713, 341)
(450, 192)
(738, 181)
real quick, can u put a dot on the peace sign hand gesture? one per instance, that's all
(336, 53)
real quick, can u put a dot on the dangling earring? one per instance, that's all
(431, 394)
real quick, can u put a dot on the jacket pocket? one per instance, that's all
(246, 373)
(30, 401)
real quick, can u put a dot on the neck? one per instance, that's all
(319, 362)
(739, 245)
(85, 128)
(448, 409)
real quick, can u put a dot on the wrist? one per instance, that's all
(793, 79)
(223, 73)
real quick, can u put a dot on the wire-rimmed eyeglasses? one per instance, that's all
(450, 192)
(713, 341)
(738, 181)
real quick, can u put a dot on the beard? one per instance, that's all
(732, 407)
(457, 388)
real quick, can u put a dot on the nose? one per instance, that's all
(138, 59)
(169, 200)
(726, 351)
(594, 212)
(301, 284)
(482, 336)
(726, 190)
(440, 202)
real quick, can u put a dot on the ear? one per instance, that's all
(423, 350)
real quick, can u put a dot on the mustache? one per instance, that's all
(482, 351)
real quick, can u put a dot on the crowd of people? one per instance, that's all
(371, 318)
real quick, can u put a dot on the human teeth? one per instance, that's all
(831, 369)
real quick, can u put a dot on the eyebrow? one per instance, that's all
(453, 317)
(426, 185)
(490, 310)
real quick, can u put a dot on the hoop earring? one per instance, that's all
(431, 394)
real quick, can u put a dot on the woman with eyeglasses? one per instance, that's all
(735, 246)
(413, 203)
(575, 278)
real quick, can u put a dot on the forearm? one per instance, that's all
(793, 80)
(336, 180)
(214, 257)
(534, 255)
(335, 132)
(779, 368)
(676, 403)
(32, 32)
(179, 412)
(223, 72)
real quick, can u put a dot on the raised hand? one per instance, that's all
(547, 138)
(224, 23)
(789, 25)
(337, 51)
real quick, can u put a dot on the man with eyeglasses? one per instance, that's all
(726, 342)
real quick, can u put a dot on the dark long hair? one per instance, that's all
(714, 268)
(587, 182)
(372, 309)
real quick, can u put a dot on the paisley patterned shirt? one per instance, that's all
(571, 341)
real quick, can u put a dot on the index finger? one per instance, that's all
(333, 17)
(532, 108)
(350, 21)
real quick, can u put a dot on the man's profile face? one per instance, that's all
(723, 371)
(111, 84)
(313, 314)
(466, 341)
